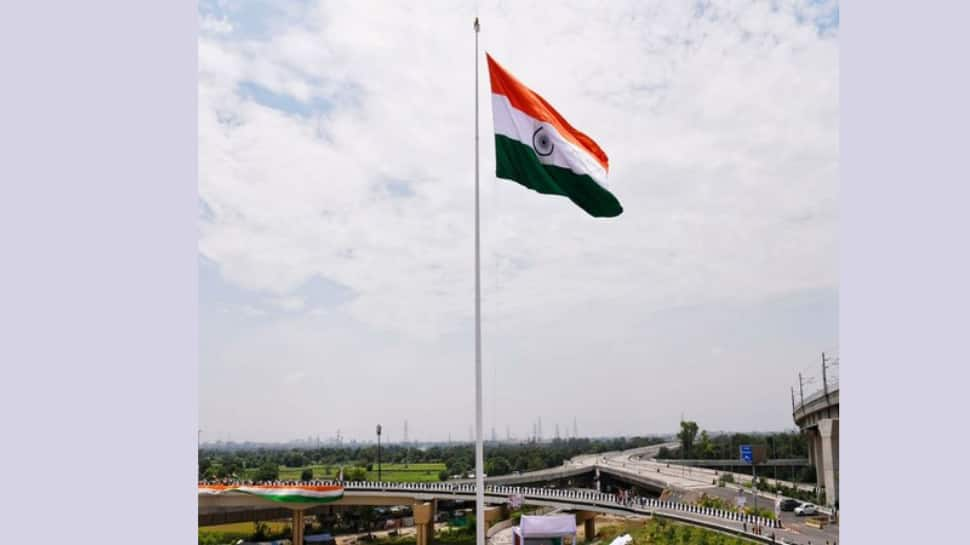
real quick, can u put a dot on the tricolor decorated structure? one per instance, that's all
(279, 493)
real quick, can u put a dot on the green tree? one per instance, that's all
(497, 466)
(687, 435)
(706, 446)
(443, 475)
(536, 463)
(307, 475)
(268, 471)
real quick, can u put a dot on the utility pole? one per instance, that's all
(801, 388)
(378, 453)
(825, 382)
(407, 445)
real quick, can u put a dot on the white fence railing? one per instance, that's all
(585, 499)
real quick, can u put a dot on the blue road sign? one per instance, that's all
(747, 455)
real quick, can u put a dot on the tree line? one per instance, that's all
(500, 458)
(705, 446)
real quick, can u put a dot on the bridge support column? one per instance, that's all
(596, 478)
(424, 522)
(810, 436)
(297, 527)
(589, 524)
(827, 473)
(815, 456)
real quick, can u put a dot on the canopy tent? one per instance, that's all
(544, 530)
(547, 526)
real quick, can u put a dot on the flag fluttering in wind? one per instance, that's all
(538, 148)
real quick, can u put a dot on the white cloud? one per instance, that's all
(722, 132)
(288, 303)
(212, 25)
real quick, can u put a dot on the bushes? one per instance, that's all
(659, 531)
(760, 512)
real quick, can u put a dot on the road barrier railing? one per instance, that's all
(574, 499)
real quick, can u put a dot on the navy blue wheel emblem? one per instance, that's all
(542, 143)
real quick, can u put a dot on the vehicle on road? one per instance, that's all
(789, 504)
(806, 509)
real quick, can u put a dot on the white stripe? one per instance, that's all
(274, 492)
(520, 126)
(291, 492)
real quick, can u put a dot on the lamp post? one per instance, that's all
(378, 453)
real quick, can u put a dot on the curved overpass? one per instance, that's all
(423, 496)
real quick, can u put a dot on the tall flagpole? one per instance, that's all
(479, 447)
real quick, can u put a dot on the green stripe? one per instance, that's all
(518, 162)
(293, 498)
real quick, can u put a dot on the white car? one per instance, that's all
(806, 509)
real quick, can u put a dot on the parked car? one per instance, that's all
(789, 504)
(806, 509)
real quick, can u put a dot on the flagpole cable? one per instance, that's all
(479, 447)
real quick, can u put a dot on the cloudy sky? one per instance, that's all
(336, 152)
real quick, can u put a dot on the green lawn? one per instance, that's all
(229, 533)
(427, 472)
(406, 476)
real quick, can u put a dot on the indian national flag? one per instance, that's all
(537, 148)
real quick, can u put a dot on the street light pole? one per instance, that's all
(378, 453)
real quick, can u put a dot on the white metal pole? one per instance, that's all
(479, 447)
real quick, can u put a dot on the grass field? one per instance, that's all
(242, 528)
(229, 533)
(663, 532)
(427, 472)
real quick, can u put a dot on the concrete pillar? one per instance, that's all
(597, 478)
(424, 522)
(588, 519)
(815, 448)
(825, 428)
(589, 528)
(297, 527)
(810, 439)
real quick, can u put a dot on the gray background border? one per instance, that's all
(98, 230)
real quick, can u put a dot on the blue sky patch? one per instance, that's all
(282, 102)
